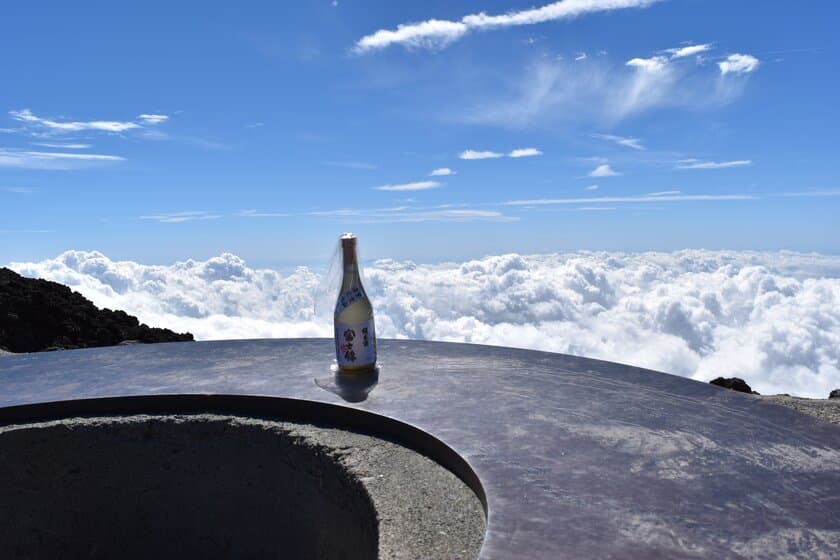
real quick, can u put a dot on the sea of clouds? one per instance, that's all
(770, 318)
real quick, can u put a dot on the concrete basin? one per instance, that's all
(222, 486)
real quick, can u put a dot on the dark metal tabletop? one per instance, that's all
(576, 458)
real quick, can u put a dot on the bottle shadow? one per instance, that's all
(352, 387)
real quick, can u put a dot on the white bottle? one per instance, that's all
(355, 336)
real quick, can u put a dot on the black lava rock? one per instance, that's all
(835, 394)
(734, 383)
(40, 315)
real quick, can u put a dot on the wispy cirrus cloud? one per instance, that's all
(451, 215)
(180, 217)
(688, 50)
(653, 197)
(606, 91)
(349, 164)
(418, 186)
(197, 141)
(62, 146)
(604, 171)
(17, 190)
(436, 33)
(442, 213)
(442, 172)
(697, 164)
(652, 64)
(812, 194)
(524, 152)
(52, 160)
(738, 64)
(152, 119)
(627, 142)
(479, 154)
(517, 153)
(27, 117)
(261, 214)
(663, 193)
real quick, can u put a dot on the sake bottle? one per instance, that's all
(355, 336)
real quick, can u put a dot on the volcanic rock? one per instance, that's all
(734, 383)
(40, 315)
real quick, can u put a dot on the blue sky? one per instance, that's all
(160, 131)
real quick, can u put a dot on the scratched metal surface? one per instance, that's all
(578, 458)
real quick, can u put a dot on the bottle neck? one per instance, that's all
(351, 269)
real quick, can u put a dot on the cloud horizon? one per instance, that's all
(770, 318)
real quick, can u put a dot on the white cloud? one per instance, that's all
(442, 213)
(525, 152)
(350, 164)
(602, 91)
(51, 160)
(159, 135)
(770, 318)
(558, 90)
(689, 50)
(435, 33)
(517, 153)
(61, 155)
(418, 186)
(738, 64)
(153, 119)
(474, 154)
(261, 214)
(664, 193)
(634, 143)
(180, 217)
(62, 146)
(591, 188)
(580, 56)
(697, 164)
(453, 215)
(653, 64)
(812, 194)
(604, 171)
(652, 197)
(26, 116)
(442, 172)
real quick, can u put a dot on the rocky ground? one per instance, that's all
(38, 315)
(824, 409)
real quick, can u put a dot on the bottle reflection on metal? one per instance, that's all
(353, 387)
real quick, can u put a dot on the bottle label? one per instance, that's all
(346, 299)
(355, 344)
